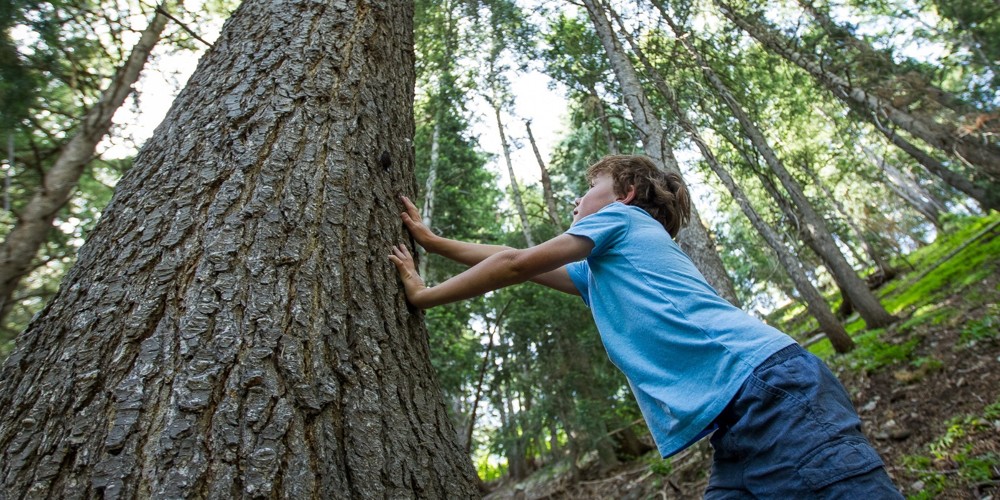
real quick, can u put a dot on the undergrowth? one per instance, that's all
(956, 459)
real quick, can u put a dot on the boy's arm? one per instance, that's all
(471, 254)
(504, 268)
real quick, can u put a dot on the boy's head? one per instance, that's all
(662, 194)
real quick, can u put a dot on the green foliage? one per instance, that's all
(986, 328)
(955, 450)
(56, 58)
(661, 466)
(489, 470)
(970, 265)
(873, 353)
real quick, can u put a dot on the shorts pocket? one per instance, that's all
(835, 462)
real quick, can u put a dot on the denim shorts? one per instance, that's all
(792, 432)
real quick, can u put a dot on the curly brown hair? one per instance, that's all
(662, 194)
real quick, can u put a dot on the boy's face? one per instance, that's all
(600, 195)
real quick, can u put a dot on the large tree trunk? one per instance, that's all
(815, 303)
(232, 328)
(19, 248)
(947, 138)
(816, 233)
(694, 239)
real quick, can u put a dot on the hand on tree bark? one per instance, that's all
(413, 284)
(415, 225)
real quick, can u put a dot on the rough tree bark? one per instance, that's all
(232, 327)
(694, 239)
(34, 222)
(816, 233)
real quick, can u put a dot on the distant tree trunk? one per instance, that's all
(515, 189)
(869, 56)
(232, 327)
(815, 303)
(859, 235)
(550, 200)
(427, 214)
(988, 199)
(19, 248)
(602, 119)
(816, 233)
(947, 138)
(483, 367)
(908, 189)
(693, 239)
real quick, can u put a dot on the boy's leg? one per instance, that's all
(792, 432)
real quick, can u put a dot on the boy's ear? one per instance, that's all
(629, 196)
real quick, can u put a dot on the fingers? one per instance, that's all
(401, 256)
(411, 209)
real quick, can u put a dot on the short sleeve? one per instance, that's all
(579, 272)
(605, 228)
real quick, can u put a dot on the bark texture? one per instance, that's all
(233, 328)
(19, 248)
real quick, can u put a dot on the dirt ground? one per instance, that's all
(905, 409)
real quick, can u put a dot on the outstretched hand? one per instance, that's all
(415, 225)
(413, 284)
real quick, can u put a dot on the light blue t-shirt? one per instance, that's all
(684, 349)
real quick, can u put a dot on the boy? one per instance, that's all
(784, 426)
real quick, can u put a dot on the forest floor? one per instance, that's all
(927, 389)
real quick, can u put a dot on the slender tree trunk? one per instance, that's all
(872, 56)
(550, 200)
(816, 232)
(59, 183)
(602, 119)
(908, 190)
(859, 235)
(947, 138)
(815, 303)
(427, 214)
(988, 199)
(693, 239)
(495, 330)
(232, 328)
(515, 189)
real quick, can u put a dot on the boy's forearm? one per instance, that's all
(464, 252)
(487, 275)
